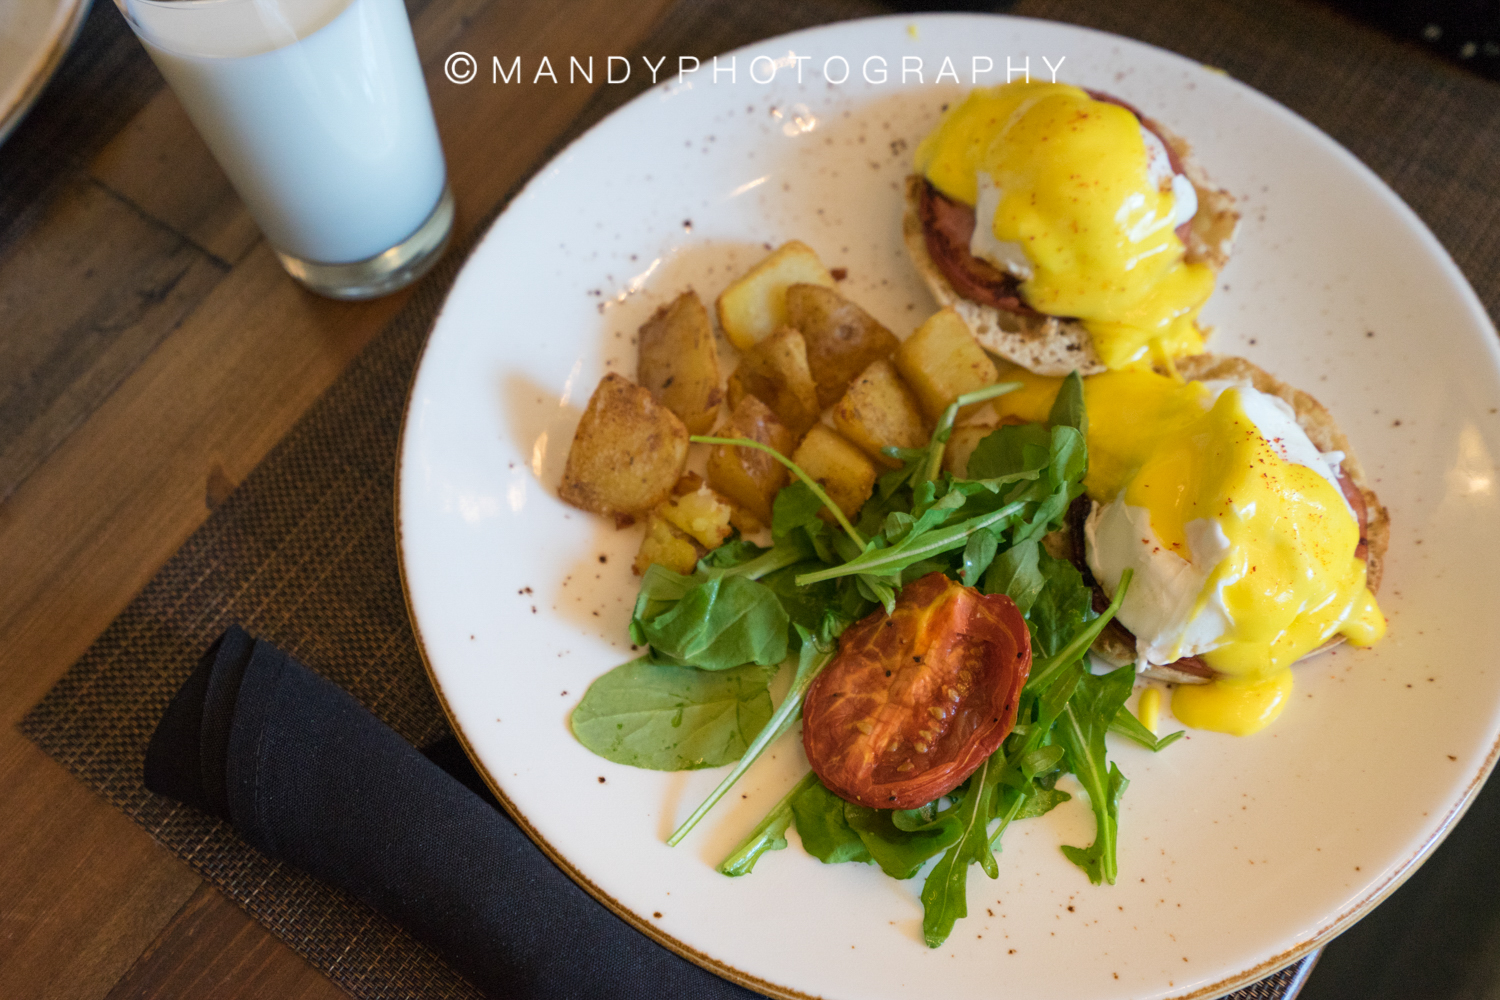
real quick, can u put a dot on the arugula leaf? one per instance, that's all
(797, 527)
(673, 718)
(938, 443)
(1068, 457)
(1039, 469)
(768, 835)
(1043, 670)
(1011, 450)
(890, 484)
(1052, 493)
(978, 555)
(723, 622)
(825, 833)
(731, 554)
(1008, 488)
(1024, 761)
(1034, 763)
(811, 659)
(1068, 408)
(823, 608)
(1062, 605)
(931, 509)
(898, 524)
(1081, 732)
(796, 506)
(1041, 801)
(921, 568)
(899, 851)
(880, 590)
(1052, 702)
(661, 589)
(912, 820)
(753, 562)
(914, 547)
(944, 893)
(1127, 725)
(1017, 574)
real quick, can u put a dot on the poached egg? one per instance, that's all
(1238, 531)
(1080, 202)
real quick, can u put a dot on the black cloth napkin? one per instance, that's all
(311, 778)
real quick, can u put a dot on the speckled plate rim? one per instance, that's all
(1228, 984)
(66, 23)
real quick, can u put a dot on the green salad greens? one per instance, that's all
(715, 640)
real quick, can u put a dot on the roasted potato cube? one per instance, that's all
(702, 513)
(845, 474)
(666, 546)
(775, 372)
(749, 476)
(754, 306)
(961, 445)
(627, 453)
(679, 362)
(880, 411)
(746, 522)
(842, 339)
(739, 517)
(941, 361)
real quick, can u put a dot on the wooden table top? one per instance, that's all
(152, 352)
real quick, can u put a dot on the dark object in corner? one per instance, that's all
(1464, 31)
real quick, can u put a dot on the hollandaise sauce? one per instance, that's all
(1071, 186)
(1242, 543)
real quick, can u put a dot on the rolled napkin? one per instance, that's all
(311, 778)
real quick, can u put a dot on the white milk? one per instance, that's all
(316, 109)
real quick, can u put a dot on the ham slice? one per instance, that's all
(948, 226)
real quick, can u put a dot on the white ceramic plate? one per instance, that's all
(34, 37)
(1236, 855)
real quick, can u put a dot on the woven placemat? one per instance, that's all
(303, 553)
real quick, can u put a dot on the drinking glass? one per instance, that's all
(318, 113)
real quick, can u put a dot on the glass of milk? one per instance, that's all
(317, 111)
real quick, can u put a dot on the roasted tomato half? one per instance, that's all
(917, 699)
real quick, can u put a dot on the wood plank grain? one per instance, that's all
(102, 82)
(83, 888)
(84, 298)
(213, 949)
(86, 530)
(159, 164)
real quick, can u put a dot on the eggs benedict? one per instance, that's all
(1253, 537)
(1067, 229)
